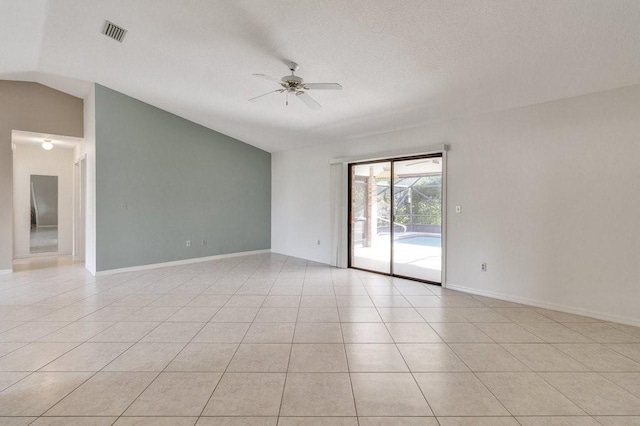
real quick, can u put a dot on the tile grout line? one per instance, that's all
(229, 270)
(102, 369)
(475, 374)
(344, 349)
(286, 374)
(395, 344)
(234, 353)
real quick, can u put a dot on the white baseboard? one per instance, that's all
(180, 262)
(546, 305)
(43, 255)
(5, 271)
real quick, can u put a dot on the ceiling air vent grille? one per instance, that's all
(112, 30)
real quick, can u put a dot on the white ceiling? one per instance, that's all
(401, 63)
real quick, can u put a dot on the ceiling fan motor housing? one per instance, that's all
(292, 82)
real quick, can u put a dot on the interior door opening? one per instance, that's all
(395, 217)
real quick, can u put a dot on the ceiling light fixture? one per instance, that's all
(47, 145)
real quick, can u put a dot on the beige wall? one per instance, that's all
(35, 108)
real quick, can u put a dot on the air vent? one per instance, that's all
(112, 30)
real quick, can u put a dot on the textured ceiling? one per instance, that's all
(401, 63)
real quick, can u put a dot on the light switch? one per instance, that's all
(458, 209)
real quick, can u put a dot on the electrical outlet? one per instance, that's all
(188, 243)
(483, 266)
(124, 206)
(204, 242)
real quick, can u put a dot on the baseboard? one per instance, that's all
(180, 262)
(5, 271)
(546, 305)
(43, 255)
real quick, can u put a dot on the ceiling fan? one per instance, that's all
(294, 85)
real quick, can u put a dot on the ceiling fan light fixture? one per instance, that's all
(47, 145)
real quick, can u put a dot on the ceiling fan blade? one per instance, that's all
(322, 86)
(311, 103)
(265, 94)
(266, 77)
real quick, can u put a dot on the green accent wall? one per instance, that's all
(162, 180)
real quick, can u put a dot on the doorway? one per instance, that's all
(43, 237)
(396, 217)
(47, 194)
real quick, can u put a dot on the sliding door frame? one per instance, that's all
(392, 160)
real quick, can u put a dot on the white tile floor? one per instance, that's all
(266, 340)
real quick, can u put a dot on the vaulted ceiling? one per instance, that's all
(401, 63)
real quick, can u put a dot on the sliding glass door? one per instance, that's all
(417, 240)
(395, 213)
(371, 216)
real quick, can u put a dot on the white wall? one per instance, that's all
(33, 160)
(88, 149)
(550, 198)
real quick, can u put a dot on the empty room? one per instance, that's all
(320, 212)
